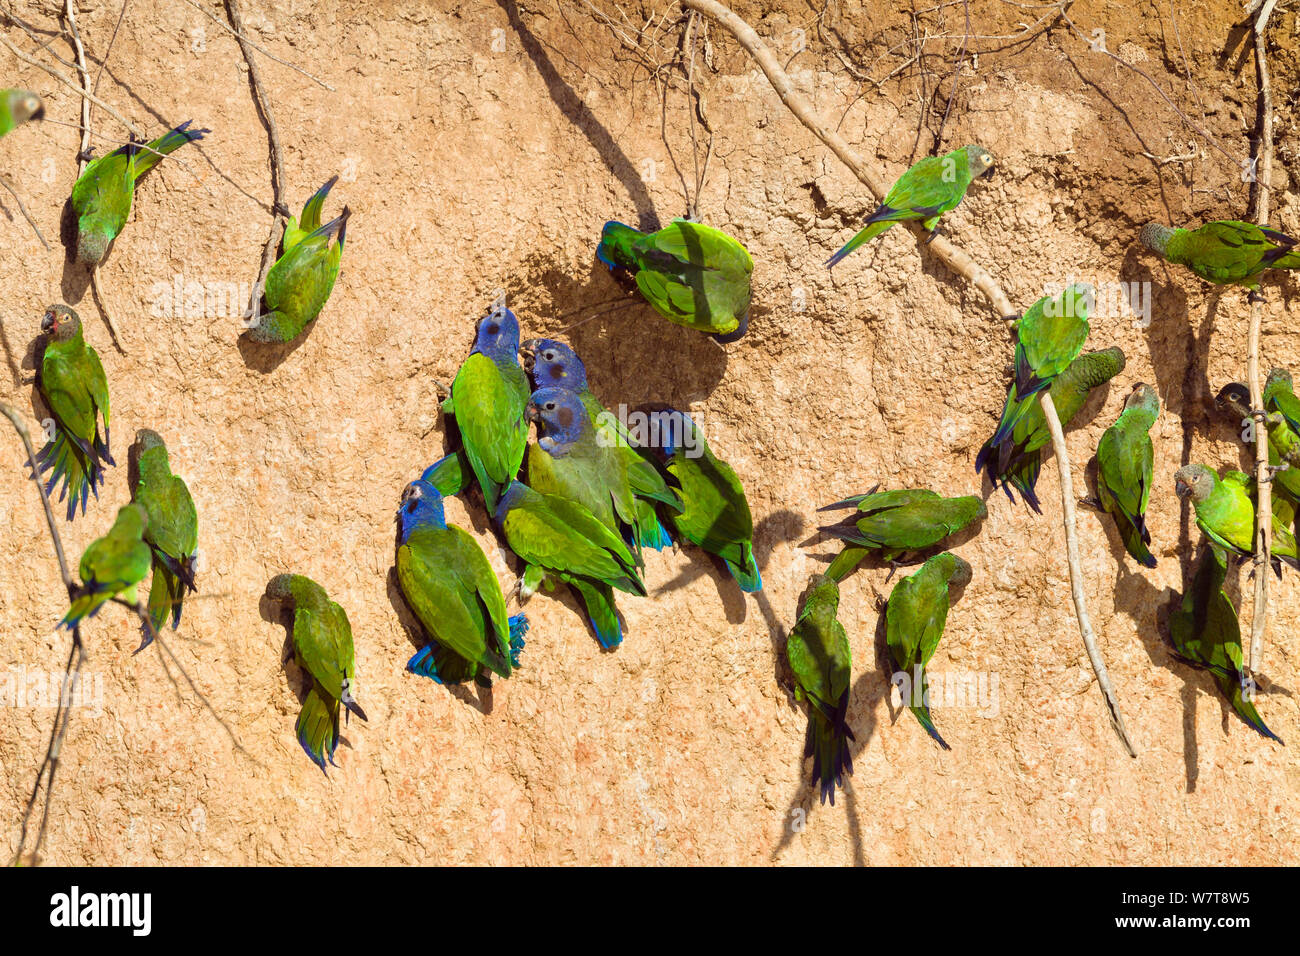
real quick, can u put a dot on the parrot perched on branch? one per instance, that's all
(554, 364)
(322, 646)
(915, 616)
(1048, 338)
(72, 382)
(819, 656)
(559, 537)
(102, 195)
(692, 274)
(300, 282)
(1225, 252)
(1225, 512)
(1070, 391)
(172, 533)
(1204, 632)
(18, 107)
(111, 566)
(453, 590)
(1125, 465)
(930, 188)
(1283, 442)
(489, 400)
(895, 523)
(716, 514)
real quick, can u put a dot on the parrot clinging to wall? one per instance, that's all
(1125, 465)
(111, 566)
(489, 399)
(819, 655)
(1225, 512)
(914, 621)
(102, 195)
(930, 188)
(453, 590)
(72, 382)
(172, 533)
(302, 279)
(322, 645)
(558, 537)
(692, 274)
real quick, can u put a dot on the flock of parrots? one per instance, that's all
(596, 495)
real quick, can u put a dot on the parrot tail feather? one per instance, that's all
(923, 716)
(602, 613)
(748, 576)
(423, 663)
(615, 249)
(828, 745)
(518, 628)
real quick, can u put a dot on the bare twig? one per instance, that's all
(1076, 573)
(956, 78)
(1263, 504)
(237, 30)
(9, 187)
(103, 61)
(70, 12)
(279, 212)
(960, 263)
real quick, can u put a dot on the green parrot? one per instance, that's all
(1070, 391)
(716, 515)
(1204, 632)
(18, 107)
(914, 620)
(111, 566)
(1125, 464)
(894, 523)
(932, 187)
(71, 381)
(102, 195)
(322, 646)
(819, 656)
(692, 274)
(300, 282)
(453, 590)
(1225, 252)
(557, 536)
(489, 399)
(1225, 512)
(1048, 337)
(554, 364)
(173, 531)
(568, 460)
(1283, 442)
(1279, 396)
(449, 474)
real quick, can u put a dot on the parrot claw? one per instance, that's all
(280, 209)
(930, 238)
(86, 155)
(1255, 296)
(1090, 502)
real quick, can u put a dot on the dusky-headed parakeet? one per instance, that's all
(322, 645)
(1125, 465)
(915, 616)
(1070, 391)
(111, 566)
(930, 188)
(102, 195)
(1225, 252)
(72, 382)
(819, 655)
(300, 282)
(173, 531)
(18, 107)
(1225, 512)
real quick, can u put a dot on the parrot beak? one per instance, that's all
(531, 412)
(1181, 489)
(528, 350)
(48, 322)
(988, 173)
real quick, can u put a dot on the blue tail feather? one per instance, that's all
(423, 663)
(518, 628)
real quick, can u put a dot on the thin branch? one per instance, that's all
(20, 427)
(956, 78)
(280, 213)
(70, 12)
(960, 263)
(1263, 160)
(9, 187)
(1076, 572)
(236, 28)
(111, 40)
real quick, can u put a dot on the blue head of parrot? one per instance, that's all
(560, 416)
(498, 336)
(421, 507)
(554, 365)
